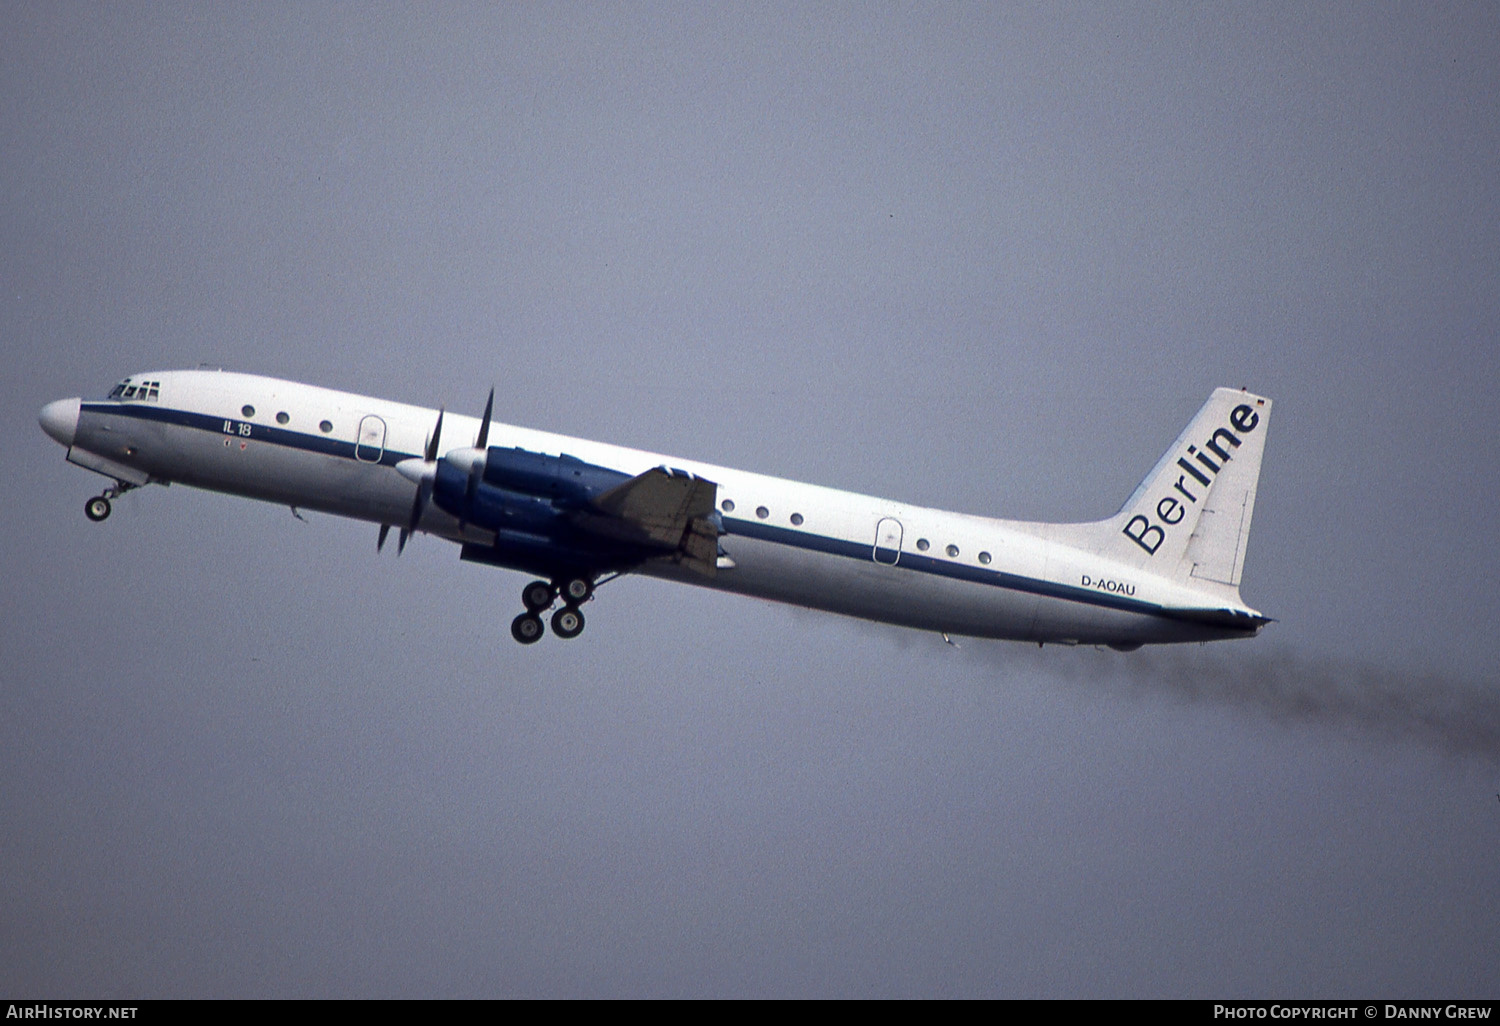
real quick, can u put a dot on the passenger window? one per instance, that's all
(762, 512)
(727, 505)
(953, 551)
(796, 519)
(326, 426)
(247, 410)
(282, 418)
(984, 557)
(923, 545)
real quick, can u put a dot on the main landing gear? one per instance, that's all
(97, 508)
(539, 596)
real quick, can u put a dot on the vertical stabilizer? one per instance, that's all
(1190, 518)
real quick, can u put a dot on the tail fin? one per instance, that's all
(1190, 518)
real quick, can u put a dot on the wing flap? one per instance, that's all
(666, 509)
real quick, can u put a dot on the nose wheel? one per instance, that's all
(98, 508)
(539, 596)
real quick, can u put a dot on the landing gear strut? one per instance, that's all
(539, 596)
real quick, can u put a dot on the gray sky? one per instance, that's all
(985, 257)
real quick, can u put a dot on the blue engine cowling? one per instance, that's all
(526, 498)
(520, 490)
(567, 481)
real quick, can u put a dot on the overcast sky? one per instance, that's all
(984, 257)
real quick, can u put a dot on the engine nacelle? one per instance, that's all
(565, 481)
(492, 508)
(517, 490)
(538, 508)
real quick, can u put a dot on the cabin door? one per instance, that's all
(887, 541)
(371, 443)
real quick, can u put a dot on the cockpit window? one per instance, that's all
(144, 390)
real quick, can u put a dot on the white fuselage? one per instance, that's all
(319, 449)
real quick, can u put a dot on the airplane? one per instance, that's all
(577, 514)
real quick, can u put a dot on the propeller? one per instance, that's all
(422, 472)
(484, 425)
(476, 466)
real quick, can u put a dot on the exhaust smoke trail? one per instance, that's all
(1442, 712)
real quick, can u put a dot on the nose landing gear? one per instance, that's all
(539, 596)
(98, 508)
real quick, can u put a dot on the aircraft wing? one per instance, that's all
(667, 509)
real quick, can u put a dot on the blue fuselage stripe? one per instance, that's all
(918, 563)
(285, 437)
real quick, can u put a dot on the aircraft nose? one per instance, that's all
(60, 420)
